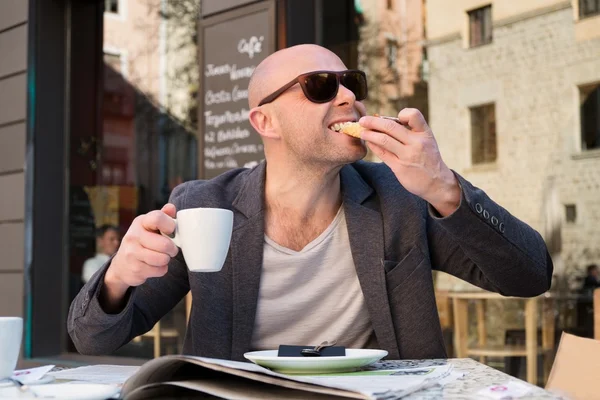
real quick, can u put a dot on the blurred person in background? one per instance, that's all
(107, 244)
(592, 278)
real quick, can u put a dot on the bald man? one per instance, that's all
(325, 246)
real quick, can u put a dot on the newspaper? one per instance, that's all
(106, 374)
(255, 382)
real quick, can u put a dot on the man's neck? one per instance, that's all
(303, 193)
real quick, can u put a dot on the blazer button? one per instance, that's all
(494, 220)
(501, 227)
(486, 214)
(478, 208)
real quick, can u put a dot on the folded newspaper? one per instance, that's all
(187, 376)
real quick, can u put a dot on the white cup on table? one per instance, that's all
(11, 332)
(203, 235)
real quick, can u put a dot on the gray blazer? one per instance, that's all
(396, 241)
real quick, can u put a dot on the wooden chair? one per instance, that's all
(444, 307)
(158, 333)
(482, 350)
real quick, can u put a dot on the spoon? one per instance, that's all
(316, 351)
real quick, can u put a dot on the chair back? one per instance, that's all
(576, 368)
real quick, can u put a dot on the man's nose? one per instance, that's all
(344, 96)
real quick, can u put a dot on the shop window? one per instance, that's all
(111, 6)
(480, 26)
(590, 116)
(589, 8)
(483, 134)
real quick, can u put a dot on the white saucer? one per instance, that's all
(80, 391)
(354, 359)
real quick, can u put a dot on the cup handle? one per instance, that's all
(175, 235)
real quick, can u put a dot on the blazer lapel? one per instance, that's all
(247, 242)
(365, 229)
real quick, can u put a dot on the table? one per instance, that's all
(478, 376)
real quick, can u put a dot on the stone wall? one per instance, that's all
(532, 72)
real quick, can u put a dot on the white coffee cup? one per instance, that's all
(203, 235)
(11, 332)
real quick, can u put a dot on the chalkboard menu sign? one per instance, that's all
(233, 44)
(215, 6)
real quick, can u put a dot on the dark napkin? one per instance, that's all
(295, 351)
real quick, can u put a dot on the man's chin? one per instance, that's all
(358, 153)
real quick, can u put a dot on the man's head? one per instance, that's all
(592, 270)
(107, 239)
(294, 128)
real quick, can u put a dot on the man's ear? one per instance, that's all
(262, 121)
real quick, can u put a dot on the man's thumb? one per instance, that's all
(170, 210)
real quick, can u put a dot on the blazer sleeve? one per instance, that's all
(483, 244)
(95, 332)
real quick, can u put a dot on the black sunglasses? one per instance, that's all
(322, 86)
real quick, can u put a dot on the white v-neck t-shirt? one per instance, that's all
(312, 295)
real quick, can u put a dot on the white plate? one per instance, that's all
(80, 391)
(354, 359)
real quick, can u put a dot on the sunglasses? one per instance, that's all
(323, 86)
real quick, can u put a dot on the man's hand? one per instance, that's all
(144, 253)
(410, 150)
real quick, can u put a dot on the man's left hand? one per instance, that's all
(412, 153)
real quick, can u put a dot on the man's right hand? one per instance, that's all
(144, 253)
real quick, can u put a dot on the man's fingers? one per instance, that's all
(387, 126)
(414, 119)
(156, 242)
(170, 210)
(158, 221)
(385, 155)
(142, 271)
(153, 258)
(382, 140)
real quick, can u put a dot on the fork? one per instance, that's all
(316, 351)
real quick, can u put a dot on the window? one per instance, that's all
(390, 4)
(590, 117)
(113, 61)
(392, 53)
(480, 26)
(571, 213)
(589, 8)
(111, 6)
(483, 134)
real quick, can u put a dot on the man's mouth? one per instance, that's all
(339, 125)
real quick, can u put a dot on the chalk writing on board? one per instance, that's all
(232, 49)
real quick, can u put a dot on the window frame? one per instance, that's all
(585, 94)
(583, 14)
(107, 4)
(485, 160)
(480, 26)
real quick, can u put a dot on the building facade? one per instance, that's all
(513, 100)
(391, 47)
